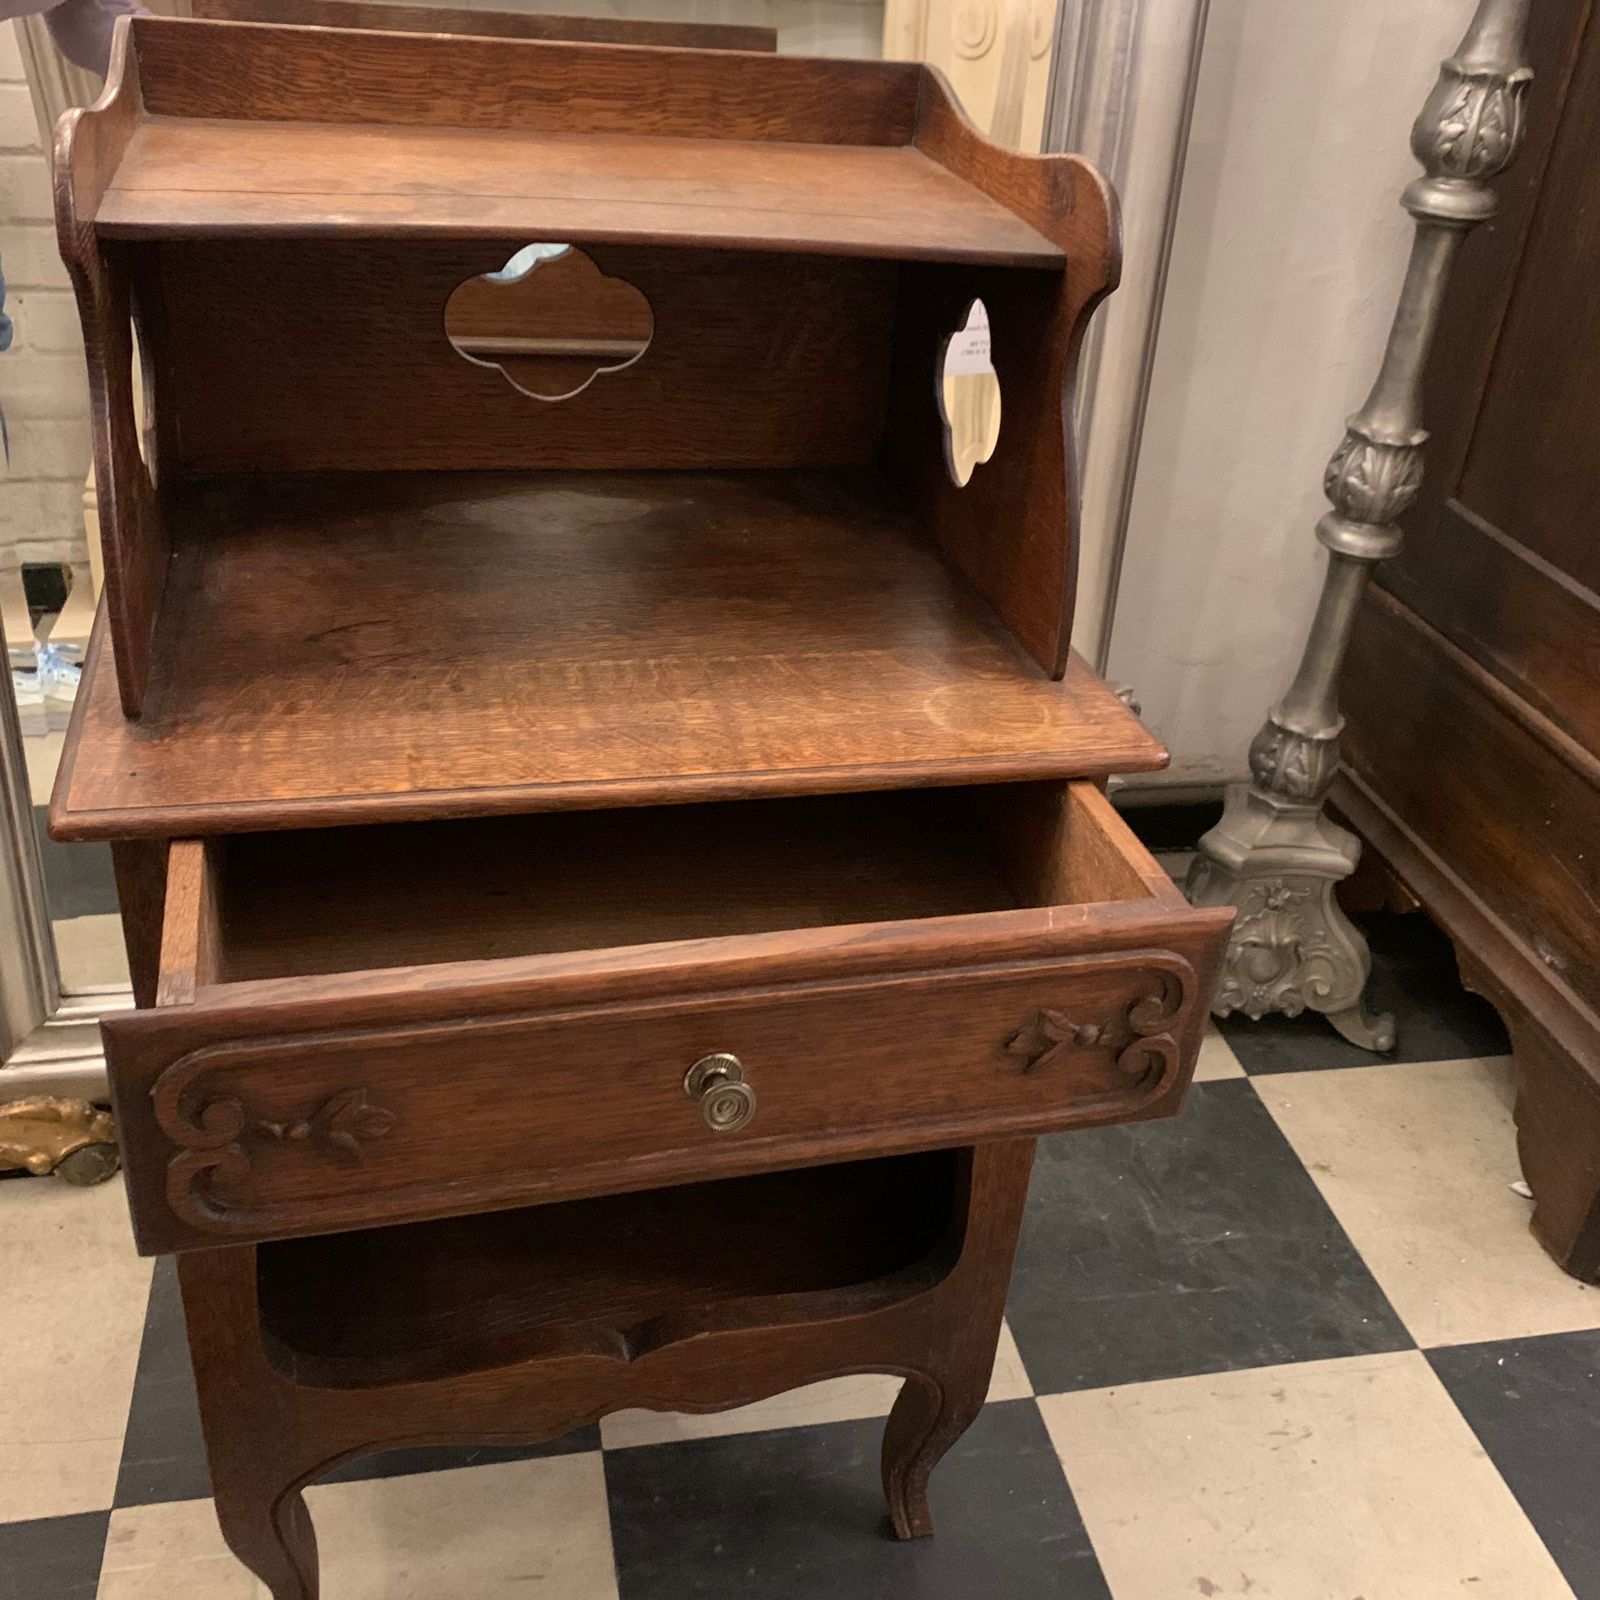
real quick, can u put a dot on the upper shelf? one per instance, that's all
(389, 647)
(223, 130)
(211, 178)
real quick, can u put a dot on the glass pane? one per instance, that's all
(47, 578)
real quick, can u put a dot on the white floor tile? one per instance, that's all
(1354, 1479)
(513, 1530)
(72, 1304)
(1417, 1162)
(43, 753)
(91, 952)
(1217, 1059)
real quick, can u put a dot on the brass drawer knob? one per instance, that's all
(727, 1102)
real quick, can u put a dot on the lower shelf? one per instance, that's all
(617, 1276)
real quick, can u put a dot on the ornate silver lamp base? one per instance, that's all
(1293, 949)
(1275, 855)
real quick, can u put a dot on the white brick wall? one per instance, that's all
(42, 385)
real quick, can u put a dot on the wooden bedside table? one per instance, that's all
(676, 1030)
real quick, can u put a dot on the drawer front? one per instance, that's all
(236, 1129)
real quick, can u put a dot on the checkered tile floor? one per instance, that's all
(1295, 1345)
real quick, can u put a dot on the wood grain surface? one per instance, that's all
(1472, 735)
(218, 178)
(601, 640)
(273, 74)
(422, 1301)
(1507, 799)
(755, 361)
(134, 542)
(1037, 322)
(275, 1095)
(935, 1323)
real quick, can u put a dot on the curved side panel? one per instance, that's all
(1012, 529)
(89, 142)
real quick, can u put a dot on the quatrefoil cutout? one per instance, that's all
(969, 396)
(550, 321)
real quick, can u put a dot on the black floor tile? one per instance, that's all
(1171, 825)
(1414, 976)
(55, 1558)
(1198, 1244)
(1535, 1406)
(445, 1457)
(797, 1514)
(163, 1453)
(78, 879)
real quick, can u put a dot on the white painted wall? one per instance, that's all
(1287, 258)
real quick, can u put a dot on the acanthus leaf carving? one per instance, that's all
(1472, 123)
(1294, 765)
(1373, 480)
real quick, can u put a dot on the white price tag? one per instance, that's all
(969, 349)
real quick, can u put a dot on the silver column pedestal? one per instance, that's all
(1274, 854)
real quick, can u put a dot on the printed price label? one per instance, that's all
(969, 349)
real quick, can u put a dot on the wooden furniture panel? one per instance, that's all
(1482, 559)
(1036, 324)
(934, 1323)
(1527, 779)
(300, 1102)
(1535, 455)
(1524, 621)
(774, 362)
(487, 23)
(332, 76)
(219, 135)
(345, 181)
(424, 1301)
(602, 641)
(613, 885)
(1473, 735)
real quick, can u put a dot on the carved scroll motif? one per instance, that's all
(1146, 1052)
(219, 1136)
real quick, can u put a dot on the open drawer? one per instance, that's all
(384, 1024)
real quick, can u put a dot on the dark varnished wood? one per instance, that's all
(673, 638)
(692, 714)
(1493, 831)
(1473, 734)
(215, 158)
(278, 74)
(562, 1074)
(775, 361)
(1036, 323)
(891, 201)
(1530, 624)
(346, 900)
(427, 1300)
(134, 540)
(1498, 555)
(267, 1436)
(488, 23)
(140, 867)
(1528, 783)
(1555, 1037)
